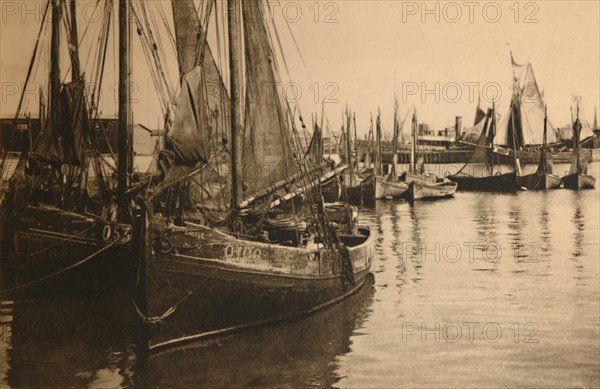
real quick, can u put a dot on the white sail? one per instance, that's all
(526, 114)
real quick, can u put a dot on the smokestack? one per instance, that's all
(458, 128)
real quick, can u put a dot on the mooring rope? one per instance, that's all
(55, 274)
(171, 310)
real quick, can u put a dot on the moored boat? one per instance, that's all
(543, 178)
(199, 291)
(423, 186)
(579, 181)
(423, 190)
(65, 227)
(481, 174)
(578, 178)
(364, 192)
(539, 181)
(496, 183)
(389, 188)
(266, 250)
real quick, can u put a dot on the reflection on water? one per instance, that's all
(68, 344)
(298, 354)
(481, 290)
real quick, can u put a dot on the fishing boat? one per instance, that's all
(578, 178)
(526, 126)
(268, 255)
(331, 175)
(543, 178)
(66, 224)
(360, 187)
(481, 173)
(424, 186)
(390, 186)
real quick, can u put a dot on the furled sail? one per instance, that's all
(201, 120)
(75, 120)
(525, 118)
(267, 156)
(315, 148)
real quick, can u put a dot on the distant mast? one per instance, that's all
(544, 156)
(378, 144)
(576, 134)
(413, 146)
(395, 137)
(349, 146)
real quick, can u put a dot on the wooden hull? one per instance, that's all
(385, 189)
(431, 191)
(220, 283)
(45, 254)
(331, 189)
(428, 187)
(363, 193)
(539, 181)
(579, 181)
(498, 183)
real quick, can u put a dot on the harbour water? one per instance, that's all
(481, 290)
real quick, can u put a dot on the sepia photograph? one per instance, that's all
(353, 194)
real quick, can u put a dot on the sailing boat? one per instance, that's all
(481, 173)
(388, 187)
(543, 178)
(62, 227)
(360, 188)
(423, 186)
(261, 262)
(578, 177)
(331, 186)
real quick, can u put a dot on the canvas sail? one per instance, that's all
(202, 119)
(196, 163)
(479, 115)
(267, 156)
(315, 147)
(481, 163)
(66, 144)
(525, 118)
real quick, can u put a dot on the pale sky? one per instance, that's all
(356, 50)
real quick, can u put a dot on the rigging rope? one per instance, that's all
(27, 78)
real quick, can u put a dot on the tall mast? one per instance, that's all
(124, 155)
(576, 134)
(543, 156)
(321, 148)
(515, 107)
(514, 138)
(492, 136)
(235, 71)
(395, 137)
(413, 146)
(349, 147)
(55, 65)
(355, 139)
(75, 68)
(378, 144)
